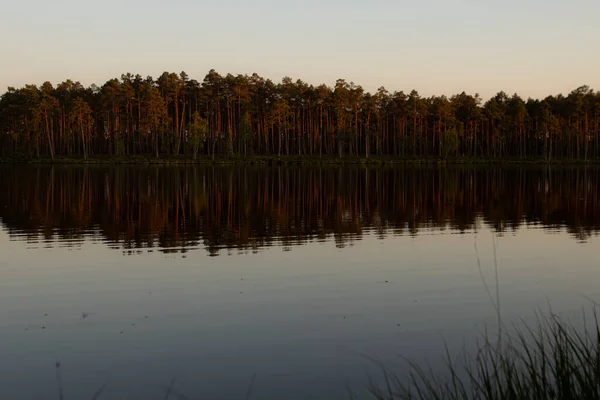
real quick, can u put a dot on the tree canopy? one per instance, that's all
(251, 115)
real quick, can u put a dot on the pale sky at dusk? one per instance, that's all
(533, 47)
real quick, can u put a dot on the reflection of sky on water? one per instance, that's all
(299, 319)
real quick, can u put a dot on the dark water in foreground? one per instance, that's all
(134, 276)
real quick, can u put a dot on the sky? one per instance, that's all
(531, 47)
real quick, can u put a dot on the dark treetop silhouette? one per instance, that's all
(249, 115)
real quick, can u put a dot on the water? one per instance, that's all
(212, 276)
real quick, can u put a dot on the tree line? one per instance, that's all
(248, 209)
(243, 115)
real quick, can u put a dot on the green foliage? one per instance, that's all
(245, 129)
(119, 146)
(450, 142)
(198, 131)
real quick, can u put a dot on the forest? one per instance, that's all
(243, 116)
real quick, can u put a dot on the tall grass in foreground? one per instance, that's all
(551, 360)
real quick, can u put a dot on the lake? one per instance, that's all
(281, 282)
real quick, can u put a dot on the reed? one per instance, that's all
(551, 359)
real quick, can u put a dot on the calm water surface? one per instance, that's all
(135, 276)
